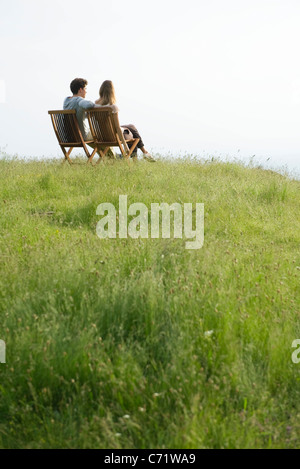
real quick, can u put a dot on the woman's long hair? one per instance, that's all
(107, 93)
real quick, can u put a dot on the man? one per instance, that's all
(80, 104)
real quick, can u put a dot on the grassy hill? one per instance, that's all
(141, 343)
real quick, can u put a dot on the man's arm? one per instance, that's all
(85, 104)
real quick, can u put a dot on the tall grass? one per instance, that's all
(141, 343)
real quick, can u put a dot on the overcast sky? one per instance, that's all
(208, 77)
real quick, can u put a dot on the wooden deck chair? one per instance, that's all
(68, 134)
(107, 133)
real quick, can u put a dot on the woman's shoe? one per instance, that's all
(148, 157)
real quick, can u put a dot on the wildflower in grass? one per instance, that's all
(208, 333)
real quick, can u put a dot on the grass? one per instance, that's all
(107, 342)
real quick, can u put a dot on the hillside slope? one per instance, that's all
(141, 343)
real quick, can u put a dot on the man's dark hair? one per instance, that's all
(77, 84)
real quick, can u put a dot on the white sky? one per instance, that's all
(208, 77)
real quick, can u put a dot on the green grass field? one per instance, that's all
(107, 342)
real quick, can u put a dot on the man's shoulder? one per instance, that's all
(86, 104)
(69, 103)
(77, 102)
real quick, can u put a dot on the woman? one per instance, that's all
(108, 98)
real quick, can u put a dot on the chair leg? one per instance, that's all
(102, 154)
(127, 154)
(90, 157)
(133, 147)
(67, 154)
